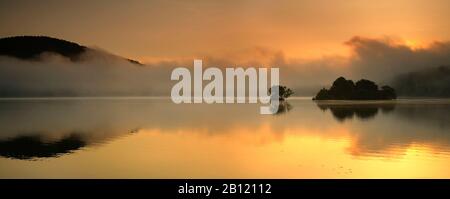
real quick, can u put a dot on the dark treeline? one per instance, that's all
(432, 82)
(343, 89)
(31, 47)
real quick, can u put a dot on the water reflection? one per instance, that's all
(347, 111)
(411, 124)
(29, 147)
(52, 128)
(284, 107)
(157, 131)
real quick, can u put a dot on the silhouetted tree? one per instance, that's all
(388, 92)
(343, 89)
(284, 92)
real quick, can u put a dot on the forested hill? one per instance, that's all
(31, 47)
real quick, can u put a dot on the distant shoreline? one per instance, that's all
(400, 99)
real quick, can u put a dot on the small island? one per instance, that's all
(343, 89)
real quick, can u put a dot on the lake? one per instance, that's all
(155, 138)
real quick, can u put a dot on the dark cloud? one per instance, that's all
(383, 59)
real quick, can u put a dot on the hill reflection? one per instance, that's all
(29, 147)
(51, 128)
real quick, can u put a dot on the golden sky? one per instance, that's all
(160, 29)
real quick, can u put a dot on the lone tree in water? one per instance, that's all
(284, 92)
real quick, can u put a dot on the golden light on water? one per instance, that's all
(73, 112)
(240, 153)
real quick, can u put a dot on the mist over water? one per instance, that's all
(98, 74)
(102, 74)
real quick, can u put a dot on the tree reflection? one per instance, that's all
(283, 108)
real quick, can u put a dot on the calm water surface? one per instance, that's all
(154, 138)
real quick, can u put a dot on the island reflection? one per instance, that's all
(348, 111)
(52, 128)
